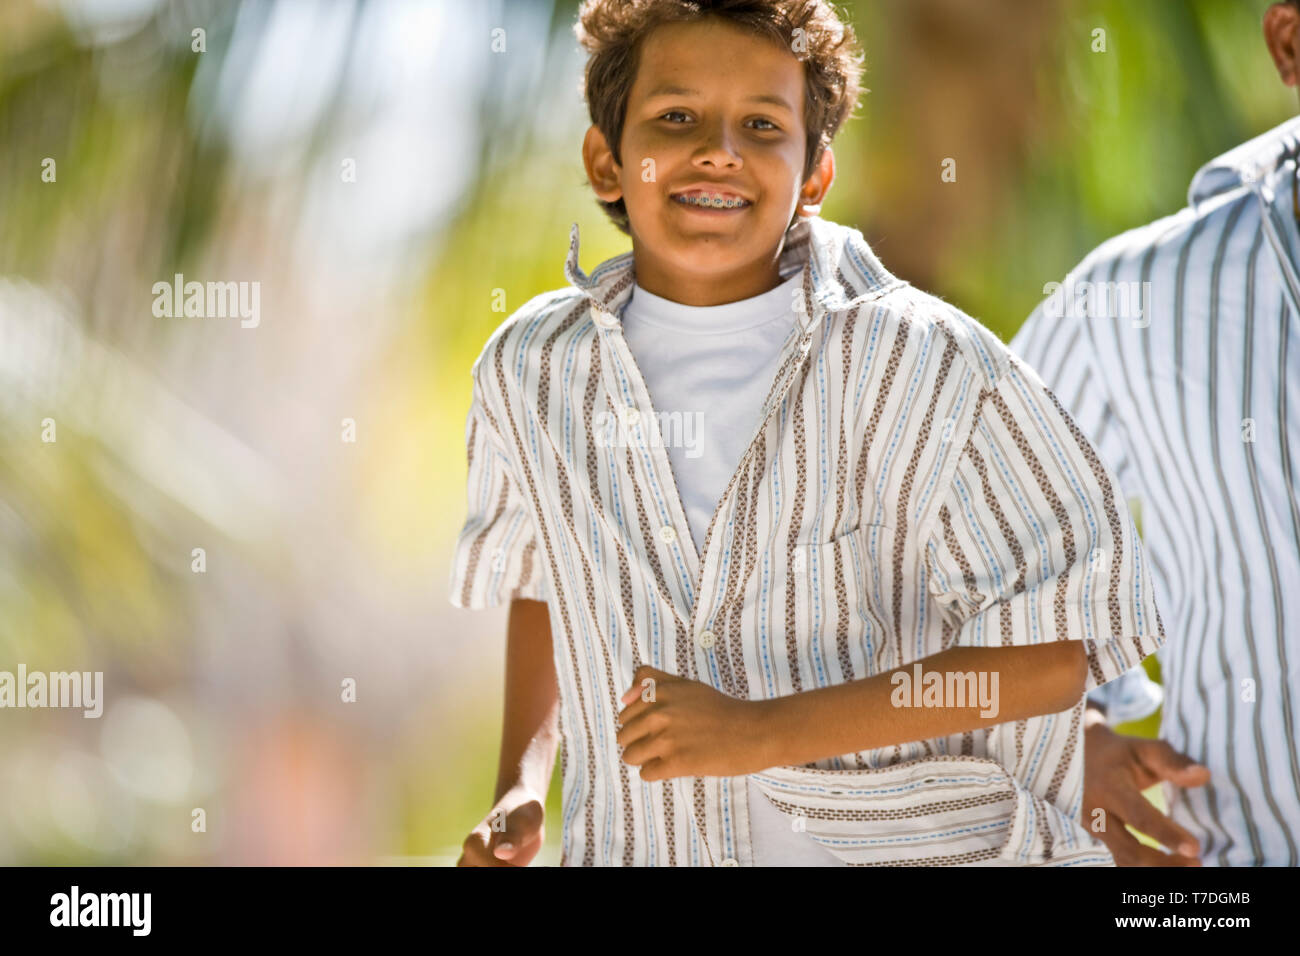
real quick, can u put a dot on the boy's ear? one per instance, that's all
(818, 185)
(602, 170)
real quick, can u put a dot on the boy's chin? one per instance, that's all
(741, 228)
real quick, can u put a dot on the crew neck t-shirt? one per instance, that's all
(708, 370)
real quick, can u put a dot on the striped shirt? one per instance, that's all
(909, 486)
(1194, 400)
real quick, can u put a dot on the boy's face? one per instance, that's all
(713, 110)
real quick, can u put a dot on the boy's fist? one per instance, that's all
(510, 835)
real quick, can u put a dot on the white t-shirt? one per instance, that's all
(708, 370)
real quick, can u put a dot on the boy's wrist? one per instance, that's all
(531, 782)
(532, 772)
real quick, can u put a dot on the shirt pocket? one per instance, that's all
(936, 811)
(834, 606)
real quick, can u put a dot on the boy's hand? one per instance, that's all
(676, 727)
(516, 837)
(1117, 769)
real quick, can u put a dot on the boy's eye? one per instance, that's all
(685, 118)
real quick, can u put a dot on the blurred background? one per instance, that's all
(379, 170)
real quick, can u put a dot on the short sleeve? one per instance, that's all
(1033, 541)
(496, 557)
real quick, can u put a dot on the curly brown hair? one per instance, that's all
(612, 32)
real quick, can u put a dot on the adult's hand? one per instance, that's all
(1117, 768)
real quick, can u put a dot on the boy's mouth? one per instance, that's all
(719, 199)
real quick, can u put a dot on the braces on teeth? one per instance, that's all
(717, 202)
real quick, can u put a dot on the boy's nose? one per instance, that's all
(716, 147)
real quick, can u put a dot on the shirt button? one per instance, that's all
(730, 861)
(633, 415)
(706, 638)
(607, 319)
(668, 533)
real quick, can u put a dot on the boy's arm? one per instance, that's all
(530, 729)
(869, 713)
(512, 832)
(685, 727)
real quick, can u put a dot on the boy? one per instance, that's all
(873, 648)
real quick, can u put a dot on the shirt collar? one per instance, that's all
(838, 268)
(1255, 160)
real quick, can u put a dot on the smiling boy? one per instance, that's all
(714, 640)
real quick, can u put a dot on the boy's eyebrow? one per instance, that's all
(671, 90)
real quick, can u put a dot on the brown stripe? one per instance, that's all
(1020, 745)
(842, 651)
(902, 813)
(702, 827)
(525, 567)
(740, 571)
(792, 542)
(995, 508)
(724, 649)
(959, 555)
(956, 859)
(1062, 768)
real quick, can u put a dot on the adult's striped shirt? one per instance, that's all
(1183, 371)
(910, 486)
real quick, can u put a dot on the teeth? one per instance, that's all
(713, 202)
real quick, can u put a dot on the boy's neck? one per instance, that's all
(696, 289)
